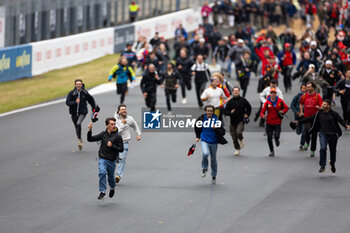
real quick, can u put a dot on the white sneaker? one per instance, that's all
(184, 101)
(236, 152)
(204, 172)
(241, 143)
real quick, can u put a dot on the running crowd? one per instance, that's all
(321, 64)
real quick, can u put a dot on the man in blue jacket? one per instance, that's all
(77, 101)
(210, 131)
(122, 72)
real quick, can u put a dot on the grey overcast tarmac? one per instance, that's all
(46, 185)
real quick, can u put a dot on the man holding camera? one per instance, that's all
(111, 143)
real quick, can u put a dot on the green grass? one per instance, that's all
(54, 84)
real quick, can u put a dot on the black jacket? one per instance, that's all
(186, 64)
(341, 85)
(171, 80)
(242, 107)
(336, 119)
(149, 82)
(220, 132)
(326, 76)
(106, 152)
(80, 108)
(241, 66)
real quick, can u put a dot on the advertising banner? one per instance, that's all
(167, 24)
(71, 50)
(15, 62)
(123, 35)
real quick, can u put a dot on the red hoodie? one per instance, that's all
(272, 117)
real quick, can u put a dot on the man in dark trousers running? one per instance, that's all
(273, 110)
(310, 103)
(111, 145)
(326, 122)
(239, 109)
(210, 131)
(77, 101)
(122, 72)
(201, 74)
(148, 85)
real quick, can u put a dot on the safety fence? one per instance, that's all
(25, 21)
(39, 57)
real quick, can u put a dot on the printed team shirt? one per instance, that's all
(310, 102)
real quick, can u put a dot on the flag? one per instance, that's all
(95, 113)
(192, 149)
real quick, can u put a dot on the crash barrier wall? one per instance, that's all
(71, 50)
(15, 62)
(68, 51)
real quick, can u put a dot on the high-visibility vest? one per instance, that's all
(133, 8)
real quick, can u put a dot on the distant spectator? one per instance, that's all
(206, 10)
(310, 11)
(201, 49)
(216, 13)
(180, 31)
(133, 11)
(181, 43)
(271, 34)
(155, 40)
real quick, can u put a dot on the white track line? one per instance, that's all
(103, 88)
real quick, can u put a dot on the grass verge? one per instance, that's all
(54, 84)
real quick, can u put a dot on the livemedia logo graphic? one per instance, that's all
(152, 120)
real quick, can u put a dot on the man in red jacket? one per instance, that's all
(310, 103)
(275, 108)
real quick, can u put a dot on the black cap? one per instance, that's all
(273, 81)
(128, 44)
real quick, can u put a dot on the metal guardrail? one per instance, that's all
(35, 20)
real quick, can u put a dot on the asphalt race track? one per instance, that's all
(46, 185)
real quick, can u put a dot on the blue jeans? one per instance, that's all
(122, 160)
(208, 148)
(331, 140)
(106, 167)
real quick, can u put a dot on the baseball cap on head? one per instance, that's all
(273, 90)
(328, 62)
(311, 66)
(240, 41)
(286, 45)
(129, 44)
(274, 81)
